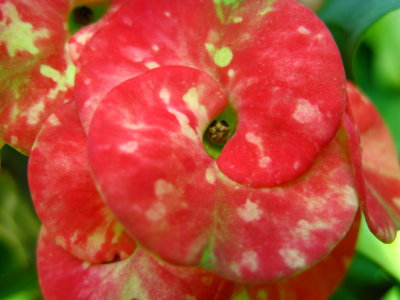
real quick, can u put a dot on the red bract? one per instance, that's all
(122, 179)
(174, 194)
(380, 168)
(36, 69)
(72, 211)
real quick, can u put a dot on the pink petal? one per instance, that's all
(37, 73)
(381, 171)
(289, 106)
(65, 196)
(154, 177)
(141, 276)
(167, 191)
(317, 283)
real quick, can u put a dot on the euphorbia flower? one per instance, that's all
(35, 65)
(132, 197)
(283, 169)
(380, 168)
(71, 211)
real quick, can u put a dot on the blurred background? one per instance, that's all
(368, 35)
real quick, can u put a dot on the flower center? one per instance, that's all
(220, 130)
(81, 16)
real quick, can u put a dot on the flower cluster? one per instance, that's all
(139, 202)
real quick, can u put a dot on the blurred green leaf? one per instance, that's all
(19, 228)
(349, 20)
(364, 280)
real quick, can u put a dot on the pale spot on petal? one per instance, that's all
(296, 165)
(86, 264)
(350, 197)
(163, 187)
(250, 260)
(167, 14)
(183, 121)
(252, 138)
(129, 147)
(304, 228)
(34, 113)
(210, 176)
(303, 30)
(293, 258)
(156, 212)
(155, 48)
(306, 112)
(249, 212)
(231, 73)
(60, 241)
(14, 140)
(264, 161)
(16, 34)
(151, 65)
(396, 202)
(53, 120)
(165, 95)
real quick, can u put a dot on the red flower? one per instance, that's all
(137, 195)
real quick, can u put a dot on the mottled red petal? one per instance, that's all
(167, 191)
(289, 106)
(36, 69)
(264, 234)
(78, 41)
(381, 170)
(36, 72)
(317, 283)
(155, 175)
(65, 196)
(141, 276)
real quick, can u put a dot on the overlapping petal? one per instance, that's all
(317, 283)
(36, 72)
(65, 196)
(36, 69)
(259, 52)
(159, 177)
(380, 168)
(141, 276)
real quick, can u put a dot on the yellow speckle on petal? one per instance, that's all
(151, 65)
(249, 212)
(164, 95)
(118, 231)
(306, 112)
(303, 30)
(163, 187)
(53, 120)
(250, 260)
(396, 202)
(210, 176)
(17, 34)
(156, 212)
(293, 258)
(223, 57)
(129, 147)
(34, 113)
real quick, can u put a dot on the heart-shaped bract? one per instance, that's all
(147, 156)
(380, 172)
(65, 197)
(289, 106)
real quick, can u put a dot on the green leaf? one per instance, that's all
(349, 20)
